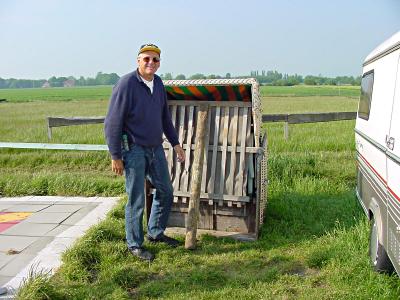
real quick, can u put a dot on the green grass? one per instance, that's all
(310, 91)
(313, 244)
(56, 94)
(103, 92)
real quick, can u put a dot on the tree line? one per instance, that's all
(263, 77)
(100, 79)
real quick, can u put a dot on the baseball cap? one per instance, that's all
(149, 47)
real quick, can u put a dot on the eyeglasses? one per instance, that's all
(148, 58)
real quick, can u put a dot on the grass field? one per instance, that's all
(56, 94)
(313, 243)
(103, 92)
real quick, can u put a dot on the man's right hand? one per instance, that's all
(117, 166)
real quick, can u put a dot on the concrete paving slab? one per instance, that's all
(17, 243)
(94, 202)
(29, 229)
(27, 207)
(58, 230)
(4, 206)
(46, 250)
(73, 200)
(5, 279)
(15, 266)
(73, 231)
(4, 259)
(5, 226)
(76, 217)
(13, 199)
(7, 202)
(49, 218)
(39, 245)
(63, 208)
(52, 199)
(58, 245)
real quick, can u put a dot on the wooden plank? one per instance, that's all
(205, 163)
(320, 117)
(310, 117)
(170, 149)
(178, 164)
(188, 150)
(215, 149)
(225, 123)
(242, 150)
(233, 149)
(210, 103)
(210, 196)
(194, 203)
(249, 158)
(274, 118)
(69, 121)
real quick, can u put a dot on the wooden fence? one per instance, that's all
(65, 121)
(307, 118)
(287, 118)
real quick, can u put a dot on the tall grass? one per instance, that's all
(313, 243)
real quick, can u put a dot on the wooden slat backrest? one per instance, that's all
(225, 168)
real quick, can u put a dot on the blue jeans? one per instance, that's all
(140, 163)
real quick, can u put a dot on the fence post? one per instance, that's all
(197, 172)
(286, 130)
(48, 129)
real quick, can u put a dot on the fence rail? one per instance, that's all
(307, 118)
(65, 121)
(287, 118)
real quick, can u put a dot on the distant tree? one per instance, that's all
(90, 81)
(106, 79)
(180, 77)
(168, 76)
(197, 76)
(113, 79)
(228, 75)
(81, 81)
(310, 80)
(3, 83)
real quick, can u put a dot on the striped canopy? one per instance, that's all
(235, 89)
(239, 92)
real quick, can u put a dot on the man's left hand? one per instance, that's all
(179, 153)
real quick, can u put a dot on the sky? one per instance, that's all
(42, 38)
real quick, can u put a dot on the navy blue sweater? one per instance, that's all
(135, 111)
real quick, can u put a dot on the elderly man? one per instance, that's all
(137, 117)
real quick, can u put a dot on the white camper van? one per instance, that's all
(377, 135)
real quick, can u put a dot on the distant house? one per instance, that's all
(69, 83)
(46, 85)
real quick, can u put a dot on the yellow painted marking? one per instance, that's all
(14, 216)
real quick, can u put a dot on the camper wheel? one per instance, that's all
(379, 259)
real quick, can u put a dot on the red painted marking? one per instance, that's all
(5, 226)
(9, 219)
(383, 180)
(373, 169)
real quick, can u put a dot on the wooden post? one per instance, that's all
(48, 129)
(197, 172)
(286, 131)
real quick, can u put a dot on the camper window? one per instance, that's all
(367, 84)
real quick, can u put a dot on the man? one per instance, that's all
(137, 117)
